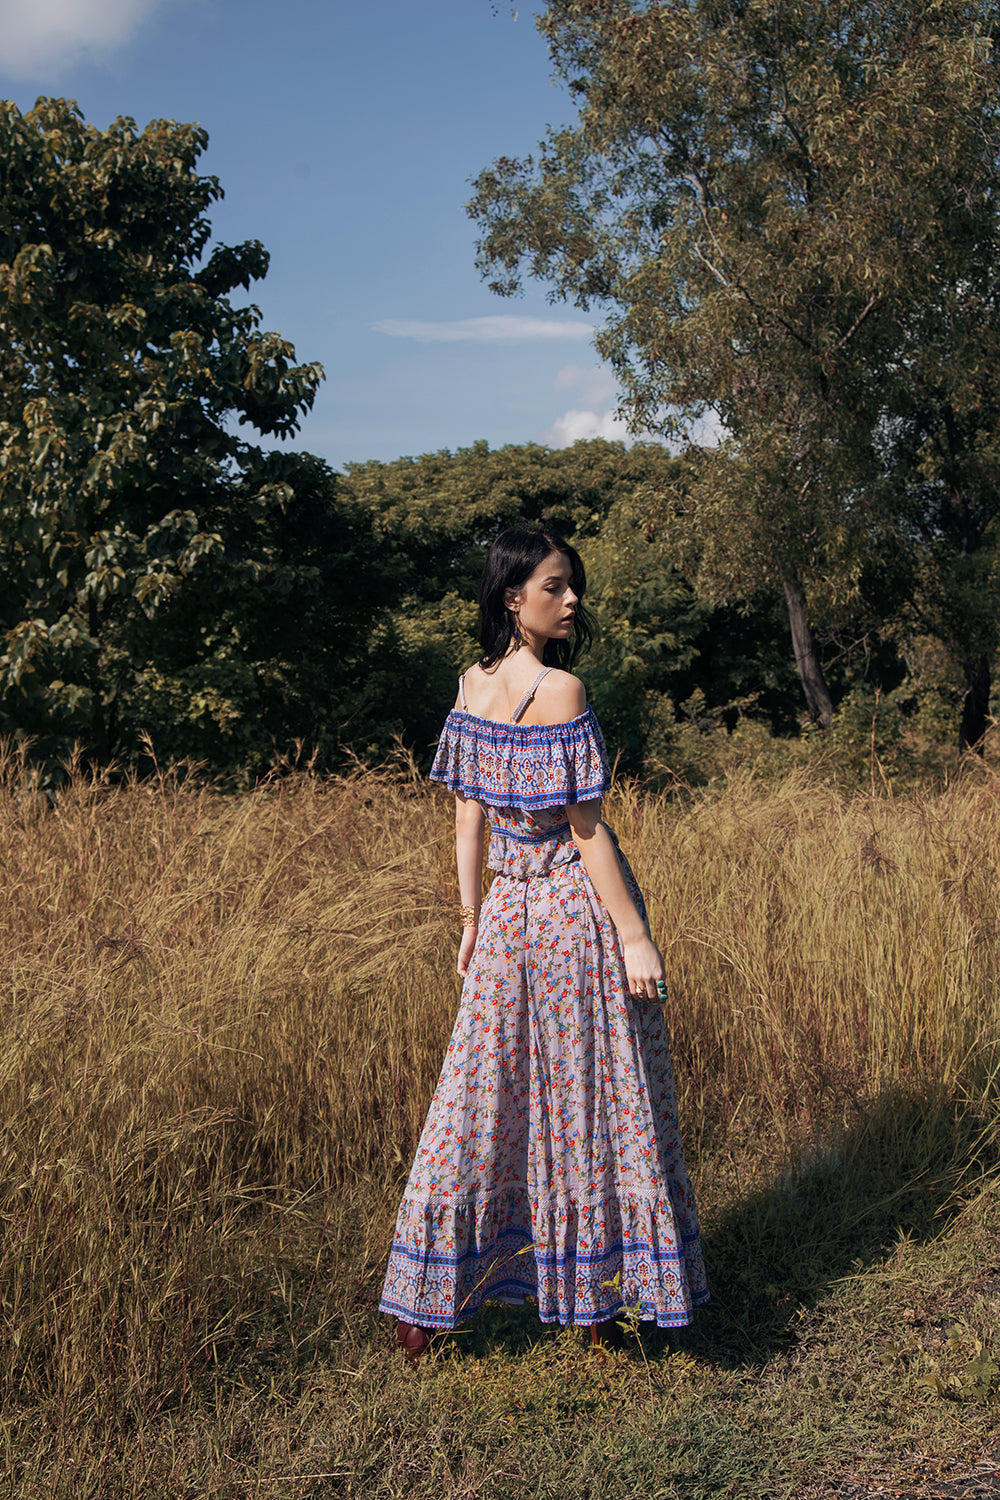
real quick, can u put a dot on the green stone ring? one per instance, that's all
(661, 989)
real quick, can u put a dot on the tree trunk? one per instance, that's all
(806, 658)
(975, 704)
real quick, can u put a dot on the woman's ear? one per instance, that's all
(510, 597)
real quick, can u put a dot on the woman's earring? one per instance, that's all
(517, 633)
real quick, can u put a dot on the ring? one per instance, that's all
(661, 989)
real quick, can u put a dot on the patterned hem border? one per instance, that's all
(668, 1255)
(567, 796)
(516, 1294)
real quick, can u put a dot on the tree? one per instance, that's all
(940, 451)
(432, 519)
(265, 650)
(789, 212)
(132, 512)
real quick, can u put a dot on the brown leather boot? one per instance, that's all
(413, 1340)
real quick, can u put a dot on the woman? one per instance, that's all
(550, 1163)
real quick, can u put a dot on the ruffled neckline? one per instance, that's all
(464, 713)
(530, 766)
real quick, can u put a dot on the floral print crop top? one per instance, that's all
(524, 775)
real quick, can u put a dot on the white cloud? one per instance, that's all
(593, 417)
(41, 34)
(594, 385)
(575, 424)
(493, 330)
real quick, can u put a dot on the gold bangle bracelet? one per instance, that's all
(468, 916)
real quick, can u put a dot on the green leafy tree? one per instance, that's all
(664, 656)
(265, 651)
(432, 519)
(144, 540)
(658, 644)
(941, 482)
(789, 212)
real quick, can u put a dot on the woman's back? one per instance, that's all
(524, 773)
(497, 693)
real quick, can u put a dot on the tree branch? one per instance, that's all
(866, 311)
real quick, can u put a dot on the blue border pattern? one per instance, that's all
(544, 837)
(527, 766)
(512, 1248)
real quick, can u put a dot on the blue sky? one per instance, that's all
(344, 136)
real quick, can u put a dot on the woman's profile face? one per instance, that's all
(545, 604)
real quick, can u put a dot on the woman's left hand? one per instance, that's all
(465, 949)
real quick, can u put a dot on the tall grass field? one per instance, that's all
(223, 1018)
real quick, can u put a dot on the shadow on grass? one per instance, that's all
(898, 1171)
(773, 1250)
(517, 1331)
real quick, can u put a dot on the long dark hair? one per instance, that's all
(510, 562)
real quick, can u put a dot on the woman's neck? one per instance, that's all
(531, 645)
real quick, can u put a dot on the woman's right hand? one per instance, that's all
(644, 967)
(465, 949)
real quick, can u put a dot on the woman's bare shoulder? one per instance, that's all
(560, 697)
(467, 679)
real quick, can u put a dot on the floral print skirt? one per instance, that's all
(550, 1164)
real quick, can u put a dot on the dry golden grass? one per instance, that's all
(224, 1016)
(208, 1018)
(815, 937)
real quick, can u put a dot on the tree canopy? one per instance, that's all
(789, 213)
(128, 495)
(164, 575)
(432, 519)
(659, 646)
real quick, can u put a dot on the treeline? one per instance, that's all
(664, 656)
(170, 588)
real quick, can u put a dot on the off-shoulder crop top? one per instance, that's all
(524, 775)
(523, 765)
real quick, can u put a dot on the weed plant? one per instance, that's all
(223, 1019)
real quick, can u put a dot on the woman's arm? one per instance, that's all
(470, 827)
(643, 960)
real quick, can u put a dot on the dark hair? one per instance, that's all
(510, 562)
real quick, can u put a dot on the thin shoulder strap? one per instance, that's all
(519, 710)
(461, 691)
